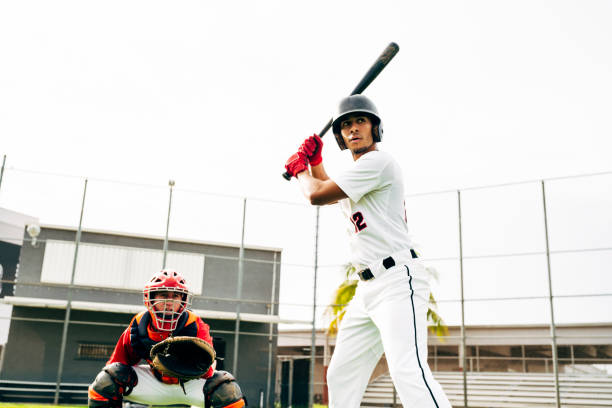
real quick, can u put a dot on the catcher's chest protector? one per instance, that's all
(139, 337)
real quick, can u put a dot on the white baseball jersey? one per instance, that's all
(389, 311)
(374, 208)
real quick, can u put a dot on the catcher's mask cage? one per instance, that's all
(164, 311)
(356, 104)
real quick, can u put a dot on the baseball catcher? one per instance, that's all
(177, 348)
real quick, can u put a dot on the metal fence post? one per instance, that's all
(271, 334)
(553, 333)
(290, 390)
(278, 383)
(171, 184)
(463, 361)
(60, 366)
(2, 170)
(313, 341)
(239, 290)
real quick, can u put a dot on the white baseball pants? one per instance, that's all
(151, 391)
(388, 313)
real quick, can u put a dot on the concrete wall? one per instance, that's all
(33, 349)
(220, 275)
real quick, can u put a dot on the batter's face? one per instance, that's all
(167, 301)
(356, 130)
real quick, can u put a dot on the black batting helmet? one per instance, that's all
(357, 104)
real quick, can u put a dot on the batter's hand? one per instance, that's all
(312, 148)
(297, 163)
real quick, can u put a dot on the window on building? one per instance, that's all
(89, 351)
(113, 266)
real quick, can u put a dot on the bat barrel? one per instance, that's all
(376, 68)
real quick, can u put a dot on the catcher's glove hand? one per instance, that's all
(183, 357)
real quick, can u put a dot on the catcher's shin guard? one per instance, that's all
(222, 391)
(110, 385)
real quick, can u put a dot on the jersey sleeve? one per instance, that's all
(368, 173)
(204, 334)
(123, 352)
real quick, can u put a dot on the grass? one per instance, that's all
(32, 405)
(28, 405)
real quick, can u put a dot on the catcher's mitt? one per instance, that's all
(183, 357)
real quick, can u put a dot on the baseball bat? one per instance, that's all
(380, 64)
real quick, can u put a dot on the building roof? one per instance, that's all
(157, 237)
(12, 225)
(133, 309)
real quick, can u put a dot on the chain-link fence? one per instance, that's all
(523, 278)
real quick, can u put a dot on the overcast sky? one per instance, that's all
(217, 95)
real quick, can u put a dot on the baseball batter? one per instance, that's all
(388, 311)
(167, 299)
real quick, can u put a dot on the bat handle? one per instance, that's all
(323, 131)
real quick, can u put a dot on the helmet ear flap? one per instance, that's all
(340, 141)
(377, 132)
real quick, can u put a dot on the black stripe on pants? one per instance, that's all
(416, 345)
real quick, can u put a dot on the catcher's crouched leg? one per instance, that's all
(222, 391)
(111, 384)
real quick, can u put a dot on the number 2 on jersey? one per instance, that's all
(358, 222)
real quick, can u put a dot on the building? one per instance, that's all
(12, 226)
(110, 273)
(582, 348)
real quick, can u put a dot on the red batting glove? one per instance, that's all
(297, 163)
(312, 148)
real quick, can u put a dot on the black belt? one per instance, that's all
(366, 274)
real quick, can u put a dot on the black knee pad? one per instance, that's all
(111, 384)
(221, 390)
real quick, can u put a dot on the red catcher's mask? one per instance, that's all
(166, 309)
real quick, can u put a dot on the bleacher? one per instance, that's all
(42, 392)
(506, 390)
